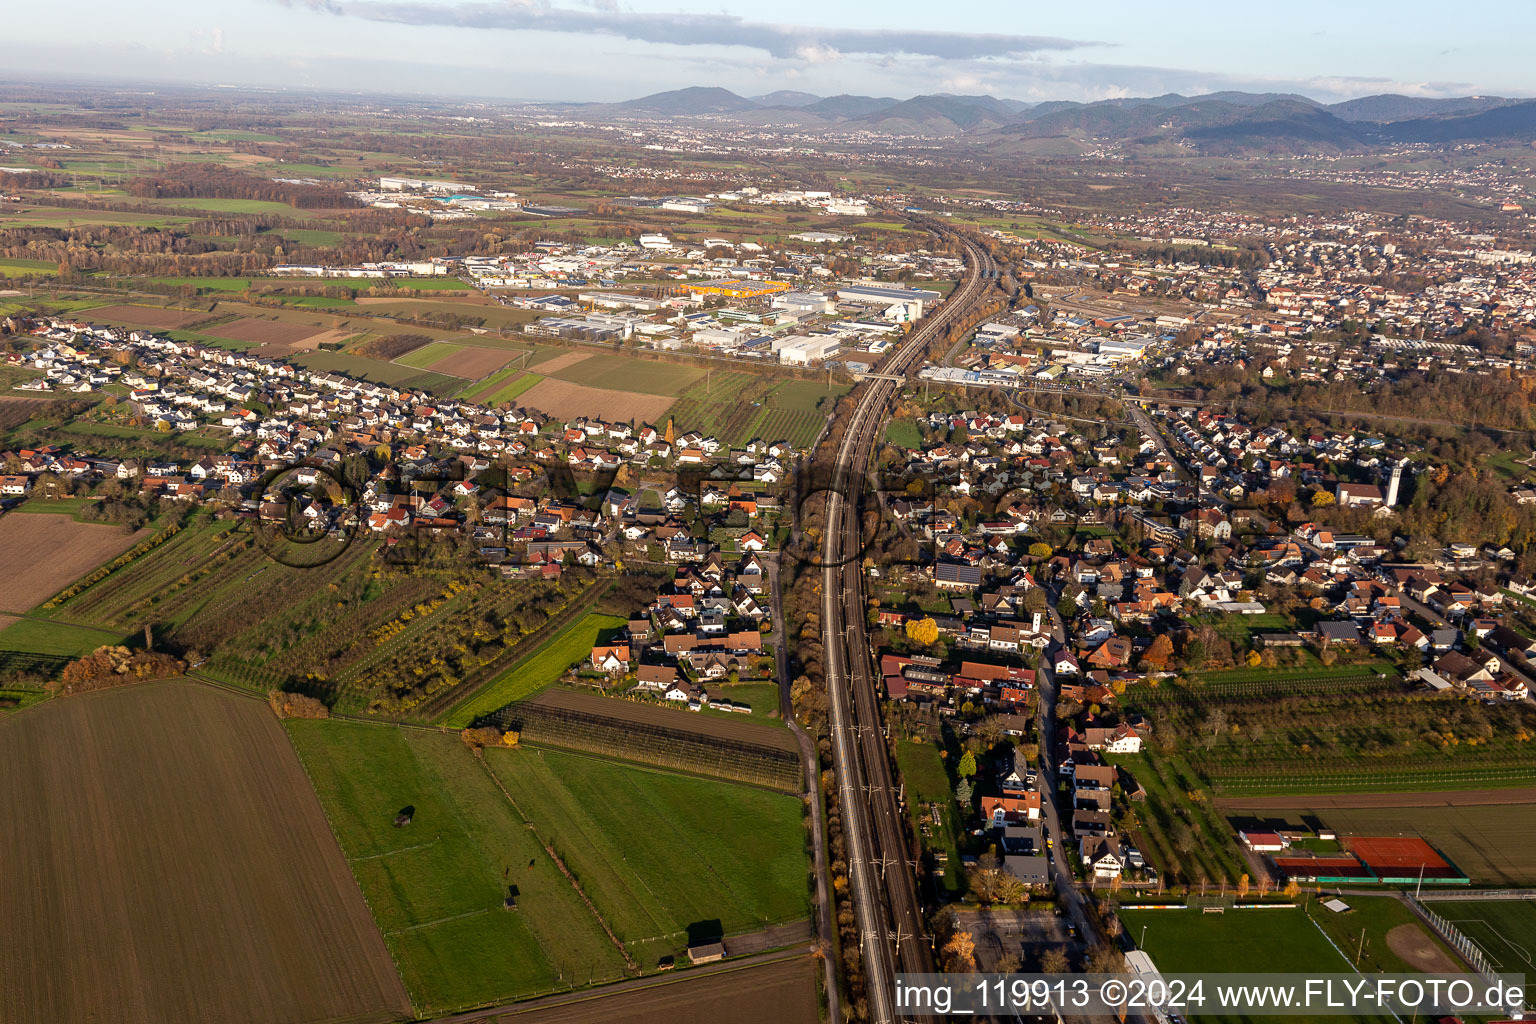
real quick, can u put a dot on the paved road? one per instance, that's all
(1061, 868)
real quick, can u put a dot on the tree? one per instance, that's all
(1215, 725)
(1184, 838)
(1055, 961)
(1242, 886)
(959, 954)
(967, 766)
(923, 631)
(1105, 959)
(1321, 499)
(963, 792)
(1157, 656)
(1040, 549)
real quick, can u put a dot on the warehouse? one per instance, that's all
(1116, 349)
(803, 351)
(902, 305)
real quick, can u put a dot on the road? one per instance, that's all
(881, 874)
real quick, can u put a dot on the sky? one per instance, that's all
(608, 50)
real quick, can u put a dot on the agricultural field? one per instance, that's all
(1494, 844)
(28, 268)
(41, 554)
(437, 886)
(468, 361)
(778, 992)
(189, 843)
(158, 318)
(361, 634)
(540, 668)
(474, 309)
(264, 332)
(723, 746)
(567, 401)
(42, 636)
(28, 215)
(509, 389)
(625, 373)
(382, 372)
(737, 406)
(1344, 729)
(664, 855)
(14, 411)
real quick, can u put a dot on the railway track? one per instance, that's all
(881, 874)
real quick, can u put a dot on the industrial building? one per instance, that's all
(804, 350)
(811, 302)
(619, 300)
(902, 305)
(591, 327)
(738, 289)
(1118, 349)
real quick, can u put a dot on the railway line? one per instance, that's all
(881, 874)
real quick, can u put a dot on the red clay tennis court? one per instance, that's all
(1398, 855)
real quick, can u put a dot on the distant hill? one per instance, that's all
(844, 106)
(1227, 122)
(786, 98)
(939, 115)
(689, 102)
(1391, 107)
(1281, 125)
(1515, 122)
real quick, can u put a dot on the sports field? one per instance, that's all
(1492, 843)
(1238, 941)
(166, 860)
(1505, 930)
(437, 885)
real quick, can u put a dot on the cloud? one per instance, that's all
(785, 41)
(210, 43)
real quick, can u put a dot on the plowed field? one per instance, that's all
(166, 860)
